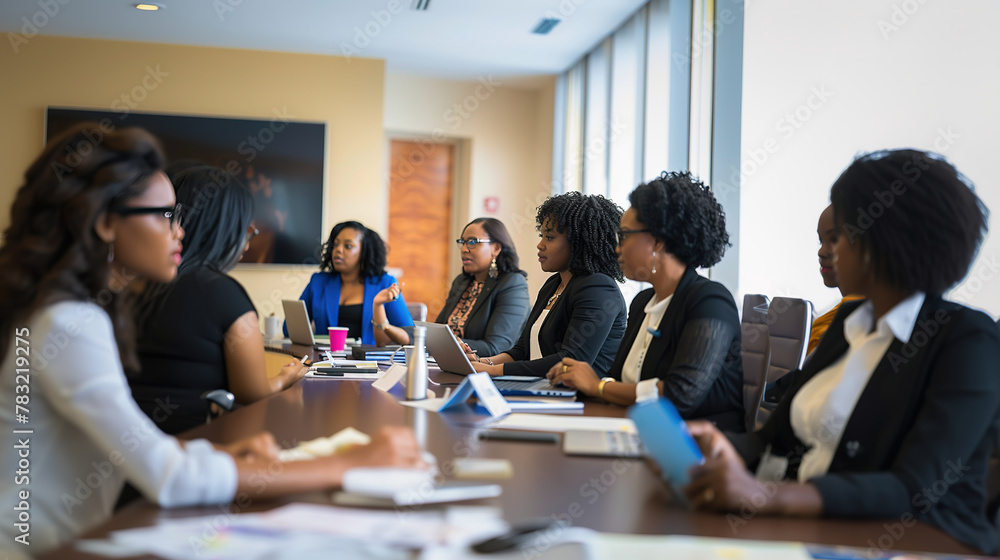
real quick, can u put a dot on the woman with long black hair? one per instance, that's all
(96, 213)
(201, 332)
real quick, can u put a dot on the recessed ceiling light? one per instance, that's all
(148, 7)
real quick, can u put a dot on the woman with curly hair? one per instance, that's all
(897, 412)
(580, 312)
(353, 290)
(683, 334)
(94, 214)
(488, 302)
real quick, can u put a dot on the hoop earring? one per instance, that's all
(111, 252)
(494, 272)
(654, 264)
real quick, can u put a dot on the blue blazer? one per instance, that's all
(322, 297)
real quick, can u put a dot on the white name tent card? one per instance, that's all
(478, 384)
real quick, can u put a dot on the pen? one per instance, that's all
(305, 359)
(330, 371)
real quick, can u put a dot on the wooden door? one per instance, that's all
(420, 178)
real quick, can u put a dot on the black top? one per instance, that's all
(697, 353)
(498, 315)
(918, 443)
(180, 347)
(350, 317)
(586, 323)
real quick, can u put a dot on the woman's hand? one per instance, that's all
(471, 354)
(391, 446)
(723, 483)
(256, 448)
(292, 372)
(495, 370)
(387, 295)
(575, 375)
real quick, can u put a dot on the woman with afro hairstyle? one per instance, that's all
(897, 412)
(353, 290)
(683, 335)
(580, 312)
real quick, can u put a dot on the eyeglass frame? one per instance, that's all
(172, 213)
(472, 243)
(624, 233)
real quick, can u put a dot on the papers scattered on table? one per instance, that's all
(305, 531)
(682, 547)
(560, 423)
(325, 446)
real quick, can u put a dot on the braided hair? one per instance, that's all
(590, 223)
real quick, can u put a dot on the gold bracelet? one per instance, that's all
(600, 386)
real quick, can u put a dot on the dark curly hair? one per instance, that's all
(51, 251)
(507, 260)
(681, 211)
(915, 216)
(372, 250)
(591, 224)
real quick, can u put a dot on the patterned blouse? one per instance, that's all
(462, 309)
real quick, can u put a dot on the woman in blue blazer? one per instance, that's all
(580, 311)
(896, 414)
(683, 334)
(352, 289)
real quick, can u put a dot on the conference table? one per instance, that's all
(603, 493)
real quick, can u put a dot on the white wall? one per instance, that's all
(505, 132)
(877, 74)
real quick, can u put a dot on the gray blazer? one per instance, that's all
(497, 317)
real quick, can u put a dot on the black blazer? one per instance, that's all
(918, 442)
(697, 354)
(586, 323)
(498, 315)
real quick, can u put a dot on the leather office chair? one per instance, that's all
(225, 400)
(789, 322)
(418, 311)
(754, 350)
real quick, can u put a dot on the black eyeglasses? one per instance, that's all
(624, 233)
(471, 243)
(171, 213)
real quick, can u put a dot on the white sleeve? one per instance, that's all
(83, 380)
(647, 390)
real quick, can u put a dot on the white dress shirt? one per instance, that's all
(632, 368)
(536, 348)
(821, 409)
(89, 436)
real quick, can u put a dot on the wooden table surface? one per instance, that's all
(606, 494)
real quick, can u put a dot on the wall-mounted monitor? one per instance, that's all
(280, 160)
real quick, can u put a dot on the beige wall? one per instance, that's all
(346, 95)
(504, 134)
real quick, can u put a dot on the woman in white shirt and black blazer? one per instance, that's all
(683, 334)
(896, 414)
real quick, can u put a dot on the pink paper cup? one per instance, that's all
(338, 337)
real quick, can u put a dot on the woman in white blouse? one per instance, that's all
(95, 214)
(896, 414)
(683, 335)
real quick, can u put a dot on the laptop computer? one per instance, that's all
(447, 351)
(297, 320)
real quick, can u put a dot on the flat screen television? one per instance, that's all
(280, 161)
